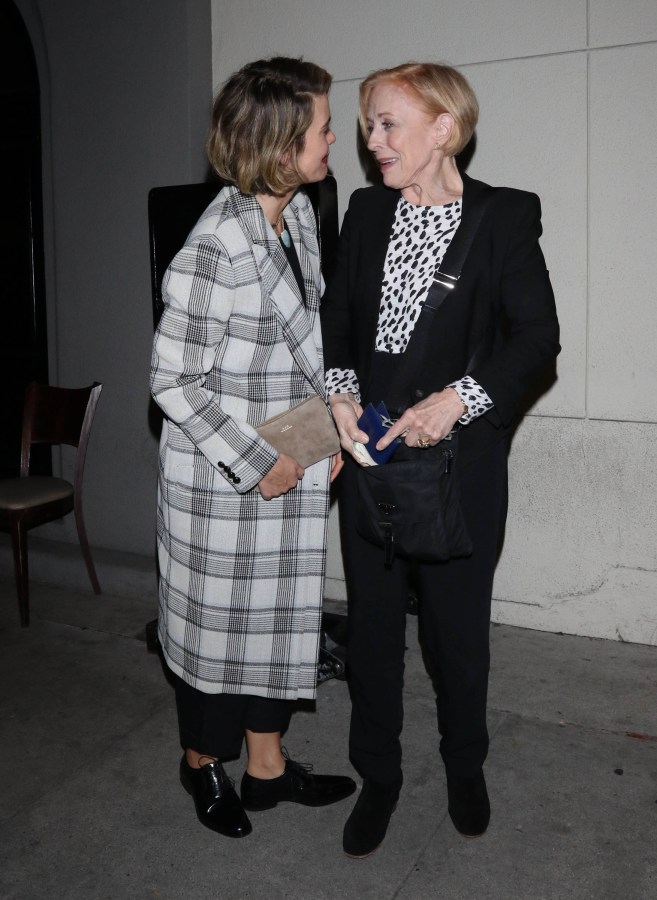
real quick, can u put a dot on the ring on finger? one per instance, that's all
(423, 443)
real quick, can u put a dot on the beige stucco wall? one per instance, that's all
(566, 91)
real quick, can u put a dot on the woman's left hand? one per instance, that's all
(428, 422)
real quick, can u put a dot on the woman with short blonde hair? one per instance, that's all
(436, 89)
(494, 332)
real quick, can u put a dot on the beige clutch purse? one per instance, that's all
(305, 432)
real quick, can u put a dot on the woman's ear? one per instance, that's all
(285, 160)
(443, 126)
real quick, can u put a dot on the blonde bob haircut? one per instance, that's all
(259, 122)
(436, 89)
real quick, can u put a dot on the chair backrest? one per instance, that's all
(55, 415)
(173, 211)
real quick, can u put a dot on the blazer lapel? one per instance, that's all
(471, 191)
(376, 238)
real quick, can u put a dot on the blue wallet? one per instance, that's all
(375, 421)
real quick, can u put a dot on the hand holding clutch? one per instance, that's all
(306, 432)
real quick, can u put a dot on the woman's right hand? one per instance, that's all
(281, 478)
(346, 412)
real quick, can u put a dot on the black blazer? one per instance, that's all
(503, 305)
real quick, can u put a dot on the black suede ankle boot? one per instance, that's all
(366, 827)
(468, 804)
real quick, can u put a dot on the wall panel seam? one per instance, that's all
(585, 48)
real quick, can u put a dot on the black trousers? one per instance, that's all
(454, 610)
(214, 724)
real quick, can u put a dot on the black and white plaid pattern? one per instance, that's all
(241, 579)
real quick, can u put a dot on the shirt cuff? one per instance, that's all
(342, 381)
(473, 396)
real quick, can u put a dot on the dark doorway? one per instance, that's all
(23, 344)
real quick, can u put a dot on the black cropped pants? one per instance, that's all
(214, 724)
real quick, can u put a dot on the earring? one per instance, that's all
(437, 146)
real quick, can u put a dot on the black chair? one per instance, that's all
(173, 211)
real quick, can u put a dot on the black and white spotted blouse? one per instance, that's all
(420, 237)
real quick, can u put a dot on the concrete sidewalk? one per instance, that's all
(91, 807)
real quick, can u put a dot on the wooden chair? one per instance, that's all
(52, 415)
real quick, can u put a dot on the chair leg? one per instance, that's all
(84, 546)
(19, 543)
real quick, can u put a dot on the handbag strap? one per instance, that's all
(445, 280)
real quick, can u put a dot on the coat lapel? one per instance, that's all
(301, 224)
(279, 283)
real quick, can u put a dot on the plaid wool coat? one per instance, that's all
(241, 578)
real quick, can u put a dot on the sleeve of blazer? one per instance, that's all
(527, 309)
(199, 288)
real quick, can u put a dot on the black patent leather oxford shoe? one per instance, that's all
(468, 804)
(368, 823)
(298, 785)
(217, 805)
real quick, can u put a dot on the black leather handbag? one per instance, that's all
(410, 506)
